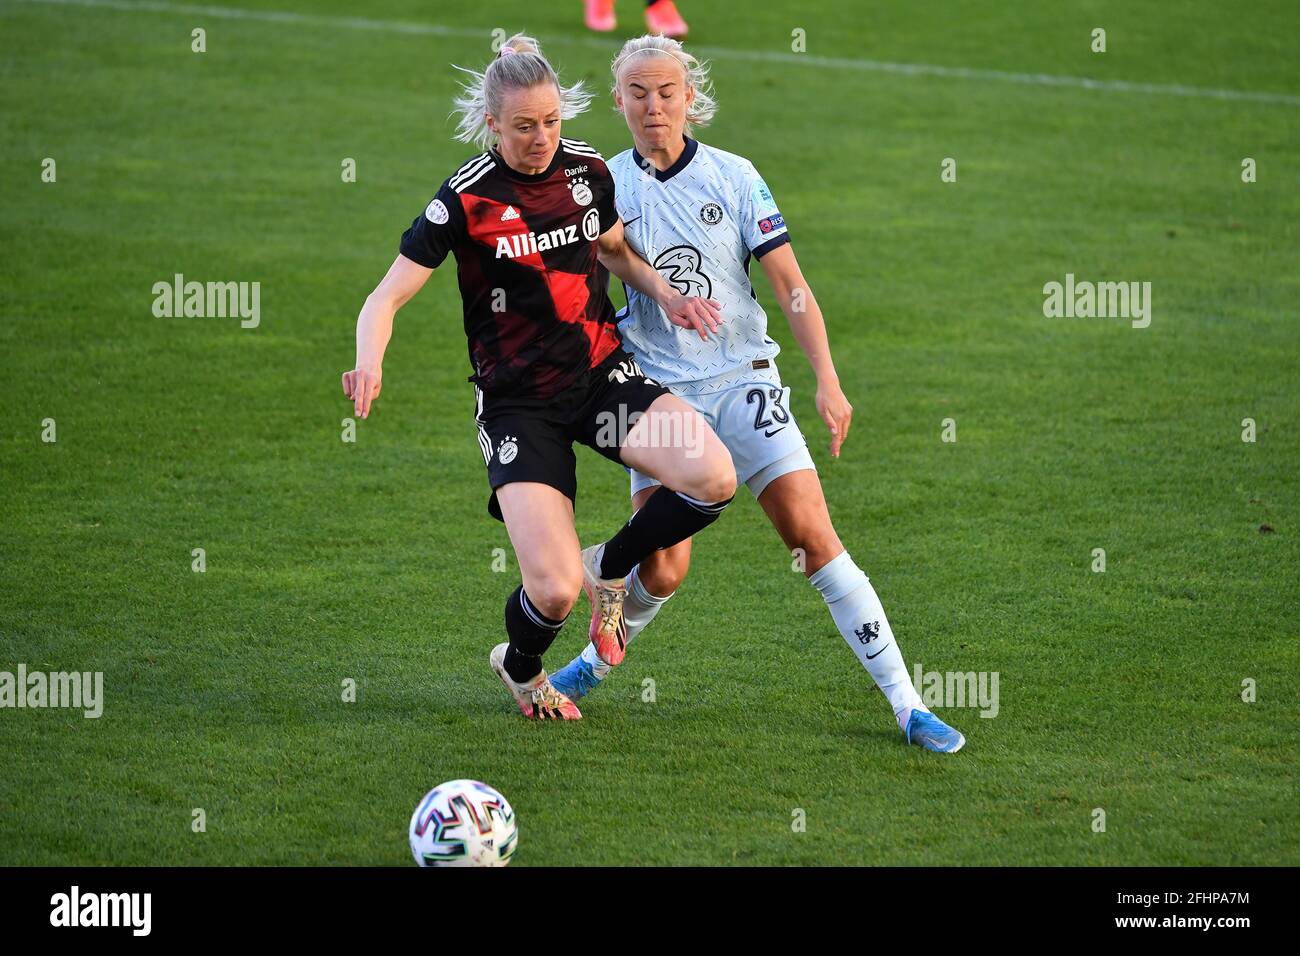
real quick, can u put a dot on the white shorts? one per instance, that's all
(754, 421)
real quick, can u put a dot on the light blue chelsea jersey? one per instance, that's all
(698, 223)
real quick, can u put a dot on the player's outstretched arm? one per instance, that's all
(375, 328)
(689, 312)
(809, 328)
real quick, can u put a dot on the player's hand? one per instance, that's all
(694, 312)
(362, 386)
(836, 412)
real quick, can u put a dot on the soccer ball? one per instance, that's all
(463, 823)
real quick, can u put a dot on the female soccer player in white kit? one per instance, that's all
(698, 214)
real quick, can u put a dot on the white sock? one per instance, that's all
(639, 609)
(856, 609)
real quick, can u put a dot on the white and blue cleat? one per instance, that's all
(575, 679)
(578, 678)
(926, 730)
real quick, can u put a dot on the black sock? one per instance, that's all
(531, 633)
(665, 519)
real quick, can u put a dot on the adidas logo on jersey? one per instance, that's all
(510, 213)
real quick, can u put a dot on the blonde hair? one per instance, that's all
(519, 65)
(703, 107)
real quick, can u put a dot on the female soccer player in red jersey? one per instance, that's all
(532, 224)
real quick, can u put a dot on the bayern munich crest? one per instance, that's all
(581, 192)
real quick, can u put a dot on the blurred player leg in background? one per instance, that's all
(661, 16)
(600, 15)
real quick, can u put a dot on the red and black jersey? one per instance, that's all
(537, 310)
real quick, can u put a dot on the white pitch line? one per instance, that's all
(717, 53)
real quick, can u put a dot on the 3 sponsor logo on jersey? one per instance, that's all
(436, 212)
(681, 268)
(510, 213)
(520, 244)
(774, 221)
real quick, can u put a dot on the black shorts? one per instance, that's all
(528, 440)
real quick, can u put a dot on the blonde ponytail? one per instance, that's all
(519, 65)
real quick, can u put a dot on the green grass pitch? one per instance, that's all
(373, 561)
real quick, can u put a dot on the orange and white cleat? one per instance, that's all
(608, 631)
(662, 17)
(600, 15)
(537, 699)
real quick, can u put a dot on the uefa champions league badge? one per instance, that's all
(581, 192)
(436, 212)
